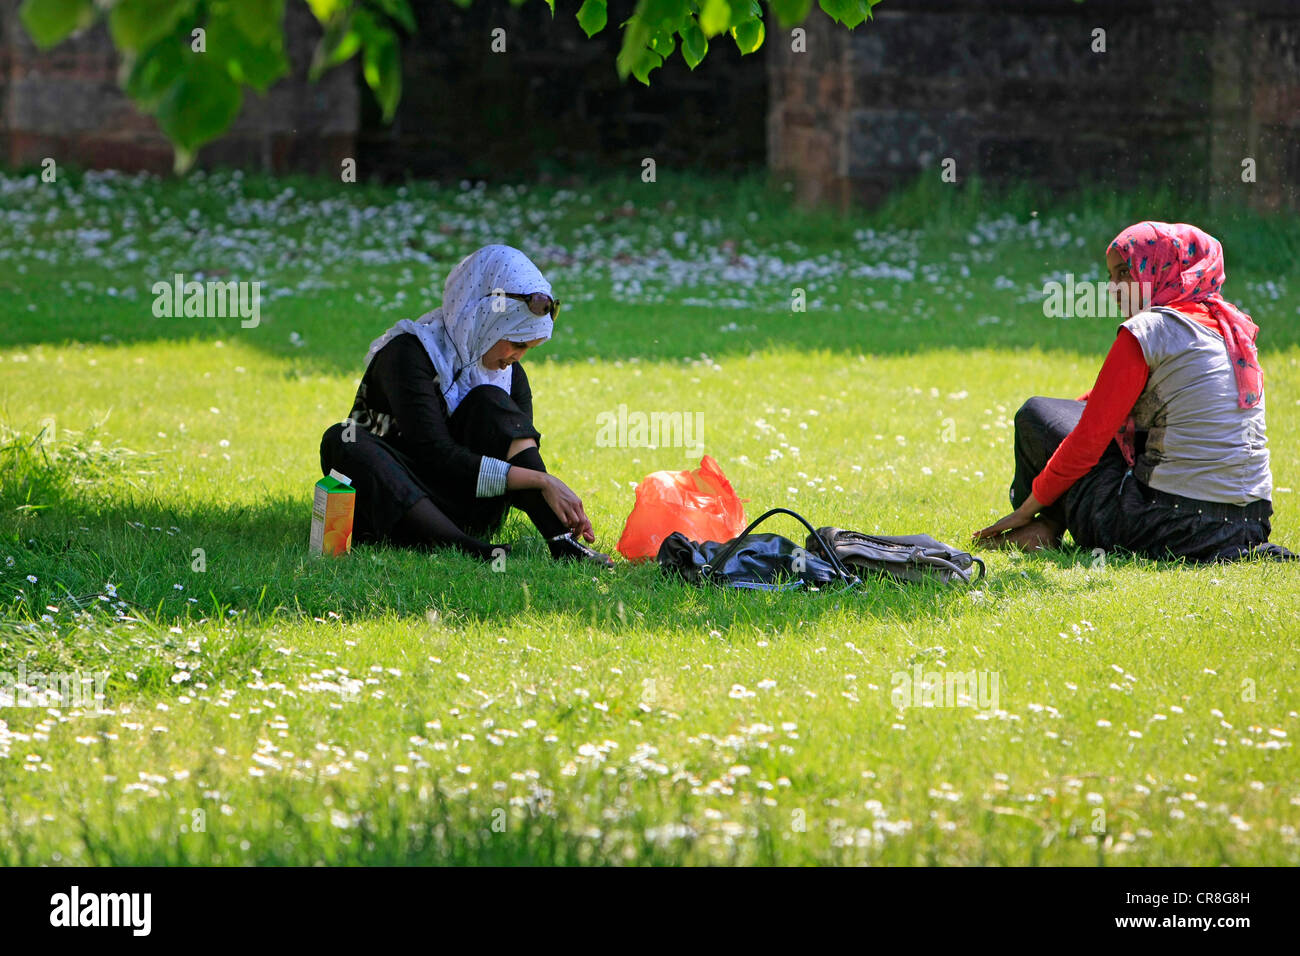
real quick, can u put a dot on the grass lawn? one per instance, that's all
(261, 706)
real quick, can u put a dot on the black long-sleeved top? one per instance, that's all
(400, 400)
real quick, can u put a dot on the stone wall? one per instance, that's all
(1013, 90)
(1009, 89)
(66, 104)
(552, 102)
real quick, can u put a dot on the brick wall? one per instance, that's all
(1013, 90)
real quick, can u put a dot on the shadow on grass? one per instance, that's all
(174, 565)
(875, 316)
(333, 339)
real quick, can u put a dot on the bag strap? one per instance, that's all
(952, 567)
(947, 564)
(726, 553)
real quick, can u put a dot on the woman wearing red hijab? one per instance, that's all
(1166, 455)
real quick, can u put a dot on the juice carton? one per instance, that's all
(331, 514)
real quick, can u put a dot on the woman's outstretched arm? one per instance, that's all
(1119, 383)
(1122, 377)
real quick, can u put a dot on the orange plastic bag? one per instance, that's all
(700, 504)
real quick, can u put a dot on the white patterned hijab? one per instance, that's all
(472, 319)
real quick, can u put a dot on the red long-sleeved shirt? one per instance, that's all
(1110, 401)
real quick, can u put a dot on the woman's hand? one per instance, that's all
(568, 507)
(1017, 519)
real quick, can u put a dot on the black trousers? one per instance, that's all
(486, 421)
(1109, 508)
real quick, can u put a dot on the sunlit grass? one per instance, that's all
(392, 707)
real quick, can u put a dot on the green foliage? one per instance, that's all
(51, 21)
(715, 15)
(186, 62)
(198, 106)
(694, 44)
(249, 48)
(381, 64)
(748, 35)
(848, 12)
(791, 12)
(649, 32)
(592, 16)
(138, 26)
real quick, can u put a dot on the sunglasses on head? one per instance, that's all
(539, 303)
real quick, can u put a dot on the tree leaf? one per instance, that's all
(261, 22)
(635, 56)
(139, 24)
(649, 60)
(146, 77)
(694, 44)
(663, 44)
(51, 21)
(382, 67)
(790, 12)
(198, 107)
(338, 43)
(832, 8)
(592, 16)
(257, 63)
(327, 10)
(748, 35)
(400, 11)
(662, 15)
(715, 17)
(857, 11)
(635, 37)
(848, 12)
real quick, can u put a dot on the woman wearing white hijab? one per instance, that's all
(440, 441)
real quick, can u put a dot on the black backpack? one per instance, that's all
(912, 558)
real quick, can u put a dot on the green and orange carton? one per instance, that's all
(331, 514)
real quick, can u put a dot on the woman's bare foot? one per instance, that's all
(1035, 536)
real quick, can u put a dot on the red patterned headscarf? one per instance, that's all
(1184, 266)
